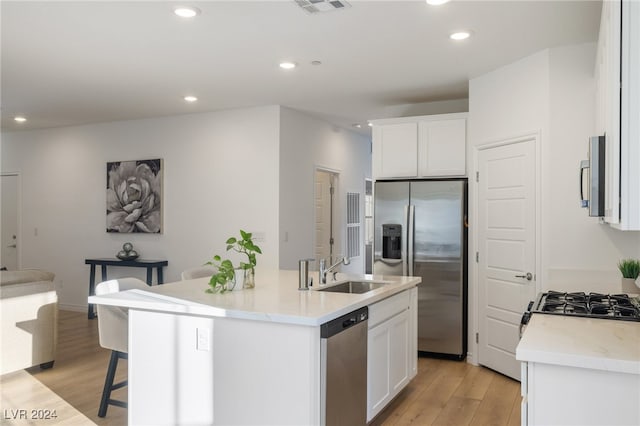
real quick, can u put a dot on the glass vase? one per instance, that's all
(249, 278)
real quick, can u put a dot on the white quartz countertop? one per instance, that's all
(275, 298)
(592, 343)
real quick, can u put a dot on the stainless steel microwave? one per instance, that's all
(592, 173)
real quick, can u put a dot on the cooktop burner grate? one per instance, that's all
(594, 305)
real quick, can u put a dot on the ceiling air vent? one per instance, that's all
(316, 6)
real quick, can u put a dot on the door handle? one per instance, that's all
(410, 239)
(584, 164)
(528, 276)
(12, 245)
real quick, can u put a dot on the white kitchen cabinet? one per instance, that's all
(618, 110)
(391, 349)
(563, 395)
(426, 146)
(396, 145)
(442, 147)
(580, 371)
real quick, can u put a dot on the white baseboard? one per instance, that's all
(73, 308)
(471, 360)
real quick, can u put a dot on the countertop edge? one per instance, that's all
(587, 343)
(578, 361)
(146, 300)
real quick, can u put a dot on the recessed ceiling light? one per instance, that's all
(370, 124)
(357, 125)
(287, 65)
(316, 63)
(190, 98)
(460, 35)
(20, 119)
(186, 11)
(437, 2)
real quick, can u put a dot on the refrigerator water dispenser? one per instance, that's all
(392, 241)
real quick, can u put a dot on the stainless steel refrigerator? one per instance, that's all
(420, 230)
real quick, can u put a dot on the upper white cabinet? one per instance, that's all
(394, 150)
(426, 146)
(442, 147)
(618, 110)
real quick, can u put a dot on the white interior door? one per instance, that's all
(9, 214)
(324, 182)
(506, 249)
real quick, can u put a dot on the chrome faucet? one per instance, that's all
(324, 271)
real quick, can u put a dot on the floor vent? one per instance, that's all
(317, 6)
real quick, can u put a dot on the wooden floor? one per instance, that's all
(80, 368)
(443, 393)
(454, 393)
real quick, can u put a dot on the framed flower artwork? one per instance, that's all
(134, 196)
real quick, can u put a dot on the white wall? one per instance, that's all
(220, 174)
(307, 143)
(510, 101)
(551, 93)
(579, 252)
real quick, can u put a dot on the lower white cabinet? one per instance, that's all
(392, 352)
(563, 395)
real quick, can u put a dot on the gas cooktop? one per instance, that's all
(592, 305)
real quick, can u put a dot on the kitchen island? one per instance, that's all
(580, 371)
(250, 356)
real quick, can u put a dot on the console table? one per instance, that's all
(138, 263)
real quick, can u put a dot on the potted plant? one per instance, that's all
(630, 269)
(246, 246)
(224, 279)
(228, 277)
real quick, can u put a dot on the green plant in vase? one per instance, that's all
(224, 279)
(630, 270)
(227, 275)
(246, 246)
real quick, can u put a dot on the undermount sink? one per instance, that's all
(356, 287)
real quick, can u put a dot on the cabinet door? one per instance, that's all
(399, 353)
(387, 362)
(377, 369)
(608, 103)
(618, 111)
(630, 118)
(442, 148)
(394, 150)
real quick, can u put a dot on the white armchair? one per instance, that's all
(29, 310)
(113, 330)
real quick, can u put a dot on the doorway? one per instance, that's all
(326, 182)
(506, 247)
(9, 238)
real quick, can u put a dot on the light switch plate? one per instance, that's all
(203, 342)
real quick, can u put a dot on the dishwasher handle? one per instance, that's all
(344, 322)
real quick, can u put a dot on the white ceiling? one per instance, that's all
(70, 63)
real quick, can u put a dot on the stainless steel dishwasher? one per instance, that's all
(343, 352)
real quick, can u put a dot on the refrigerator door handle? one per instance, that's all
(410, 240)
(405, 228)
